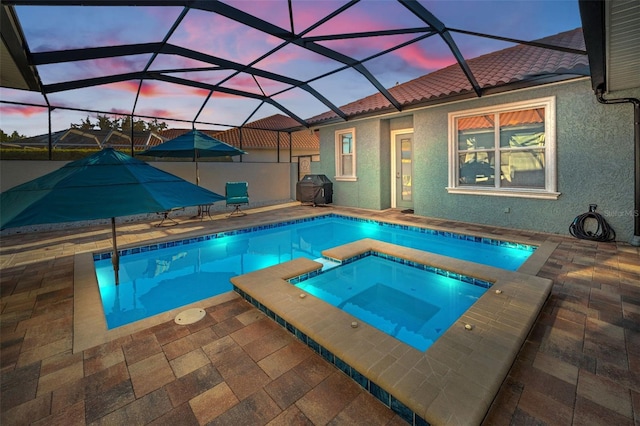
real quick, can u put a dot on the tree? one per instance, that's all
(105, 123)
(7, 138)
(85, 124)
(122, 124)
(156, 127)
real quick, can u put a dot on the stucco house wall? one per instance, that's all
(365, 192)
(373, 146)
(594, 151)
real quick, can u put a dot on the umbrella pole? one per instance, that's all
(195, 159)
(115, 259)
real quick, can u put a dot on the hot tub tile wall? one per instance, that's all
(383, 396)
(430, 384)
(421, 266)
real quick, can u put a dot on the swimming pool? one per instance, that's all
(160, 277)
(412, 303)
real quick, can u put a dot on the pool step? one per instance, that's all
(326, 263)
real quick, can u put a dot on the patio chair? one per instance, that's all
(166, 217)
(237, 194)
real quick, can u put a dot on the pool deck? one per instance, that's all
(580, 364)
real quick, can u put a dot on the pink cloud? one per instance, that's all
(121, 64)
(163, 16)
(148, 89)
(223, 95)
(92, 68)
(222, 37)
(126, 86)
(208, 77)
(196, 91)
(307, 13)
(120, 112)
(361, 48)
(271, 86)
(297, 62)
(243, 82)
(157, 112)
(420, 58)
(368, 16)
(21, 110)
(277, 12)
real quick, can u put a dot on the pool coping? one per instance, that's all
(89, 323)
(457, 378)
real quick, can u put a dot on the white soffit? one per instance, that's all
(623, 44)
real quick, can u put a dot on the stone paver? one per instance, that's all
(150, 374)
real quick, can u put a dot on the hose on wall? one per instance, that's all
(603, 233)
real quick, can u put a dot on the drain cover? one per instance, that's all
(190, 316)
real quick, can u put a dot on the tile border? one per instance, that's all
(422, 267)
(419, 229)
(370, 386)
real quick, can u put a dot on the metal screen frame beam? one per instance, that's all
(430, 19)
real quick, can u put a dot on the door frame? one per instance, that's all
(394, 134)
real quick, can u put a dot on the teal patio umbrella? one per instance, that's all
(107, 184)
(193, 145)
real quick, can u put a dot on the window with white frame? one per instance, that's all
(346, 154)
(506, 150)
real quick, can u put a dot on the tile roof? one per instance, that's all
(261, 134)
(268, 139)
(275, 122)
(497, 71)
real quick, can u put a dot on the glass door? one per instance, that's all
(404, 170)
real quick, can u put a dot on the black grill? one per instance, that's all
(315, 189)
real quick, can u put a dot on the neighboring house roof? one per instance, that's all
(268, 139)
(169, 134)
(275, 122)
(261, 134)
(77, 138)
(507, 69)
(40, 141)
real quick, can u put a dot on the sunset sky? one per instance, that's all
(58, 28)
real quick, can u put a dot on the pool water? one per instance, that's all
(413, 305)
(160, 277)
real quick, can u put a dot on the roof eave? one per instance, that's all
(15, 72)
(460, 96)
(592, 14)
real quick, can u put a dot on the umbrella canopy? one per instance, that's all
(107, 184)
(194, 145)
(103, 185)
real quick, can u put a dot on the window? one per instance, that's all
(505, 151)
(346, 155)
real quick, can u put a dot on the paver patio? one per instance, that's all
(580, 364)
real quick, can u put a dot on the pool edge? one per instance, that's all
(89, 321)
